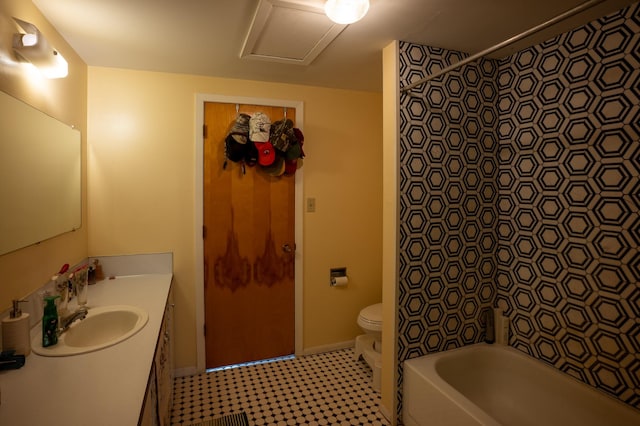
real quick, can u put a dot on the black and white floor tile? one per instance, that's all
(322, 389)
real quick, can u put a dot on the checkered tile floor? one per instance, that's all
(322, 389)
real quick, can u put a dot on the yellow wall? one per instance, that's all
(141, 161)
(25, 270)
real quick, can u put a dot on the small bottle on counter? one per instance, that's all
(99, 274)
(50, 322)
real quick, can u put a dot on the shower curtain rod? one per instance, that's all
(569, 13)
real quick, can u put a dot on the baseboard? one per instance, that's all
(386, 414)
(328, 348)
(186, 371)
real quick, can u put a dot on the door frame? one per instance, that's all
(201, 99)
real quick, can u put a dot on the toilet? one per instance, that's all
(369, 345)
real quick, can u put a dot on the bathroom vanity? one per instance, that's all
(159, 396)
(129, 383)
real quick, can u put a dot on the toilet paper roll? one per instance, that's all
(339, 281)
(15, 334)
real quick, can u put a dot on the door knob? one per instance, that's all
(287, 248)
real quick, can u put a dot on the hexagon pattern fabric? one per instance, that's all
(520, 189)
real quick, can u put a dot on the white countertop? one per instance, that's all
(106, 387)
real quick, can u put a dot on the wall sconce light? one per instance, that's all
(346, 11)
(32, 47)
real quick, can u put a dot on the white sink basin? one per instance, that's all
(104, 326)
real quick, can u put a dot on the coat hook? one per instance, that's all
(237, 110)
(285, 113)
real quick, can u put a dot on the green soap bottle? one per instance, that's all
(50, 322)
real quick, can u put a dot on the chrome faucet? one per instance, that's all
(66, 322)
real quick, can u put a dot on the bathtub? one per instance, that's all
(498, 385)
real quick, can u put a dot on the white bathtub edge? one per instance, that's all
(429, 399)
(446, 407)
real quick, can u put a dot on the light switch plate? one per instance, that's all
(311, 205)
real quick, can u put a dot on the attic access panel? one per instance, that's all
(289, 31)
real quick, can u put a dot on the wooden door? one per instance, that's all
(248, 250)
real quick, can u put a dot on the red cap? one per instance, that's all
(266, 153)
(290, 167)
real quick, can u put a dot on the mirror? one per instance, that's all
(40, 176)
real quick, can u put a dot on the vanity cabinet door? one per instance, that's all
(149, 416)
(159, 399)
(164, 366)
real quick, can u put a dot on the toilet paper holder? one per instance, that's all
(335, 273)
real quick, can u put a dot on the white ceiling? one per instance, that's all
(205, 37)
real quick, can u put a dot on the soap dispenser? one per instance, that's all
(15, 330)
(50, 322)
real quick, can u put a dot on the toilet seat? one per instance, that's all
(370, 318)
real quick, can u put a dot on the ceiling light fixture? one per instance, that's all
(346, 11)
(32, 47)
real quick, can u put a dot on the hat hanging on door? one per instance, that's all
(234, 151)
(282, 134)
(266, 153)
(277, 168)
(237, 146)
(240, 128)
(294, 153)
(251, 156)
(259, 127)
